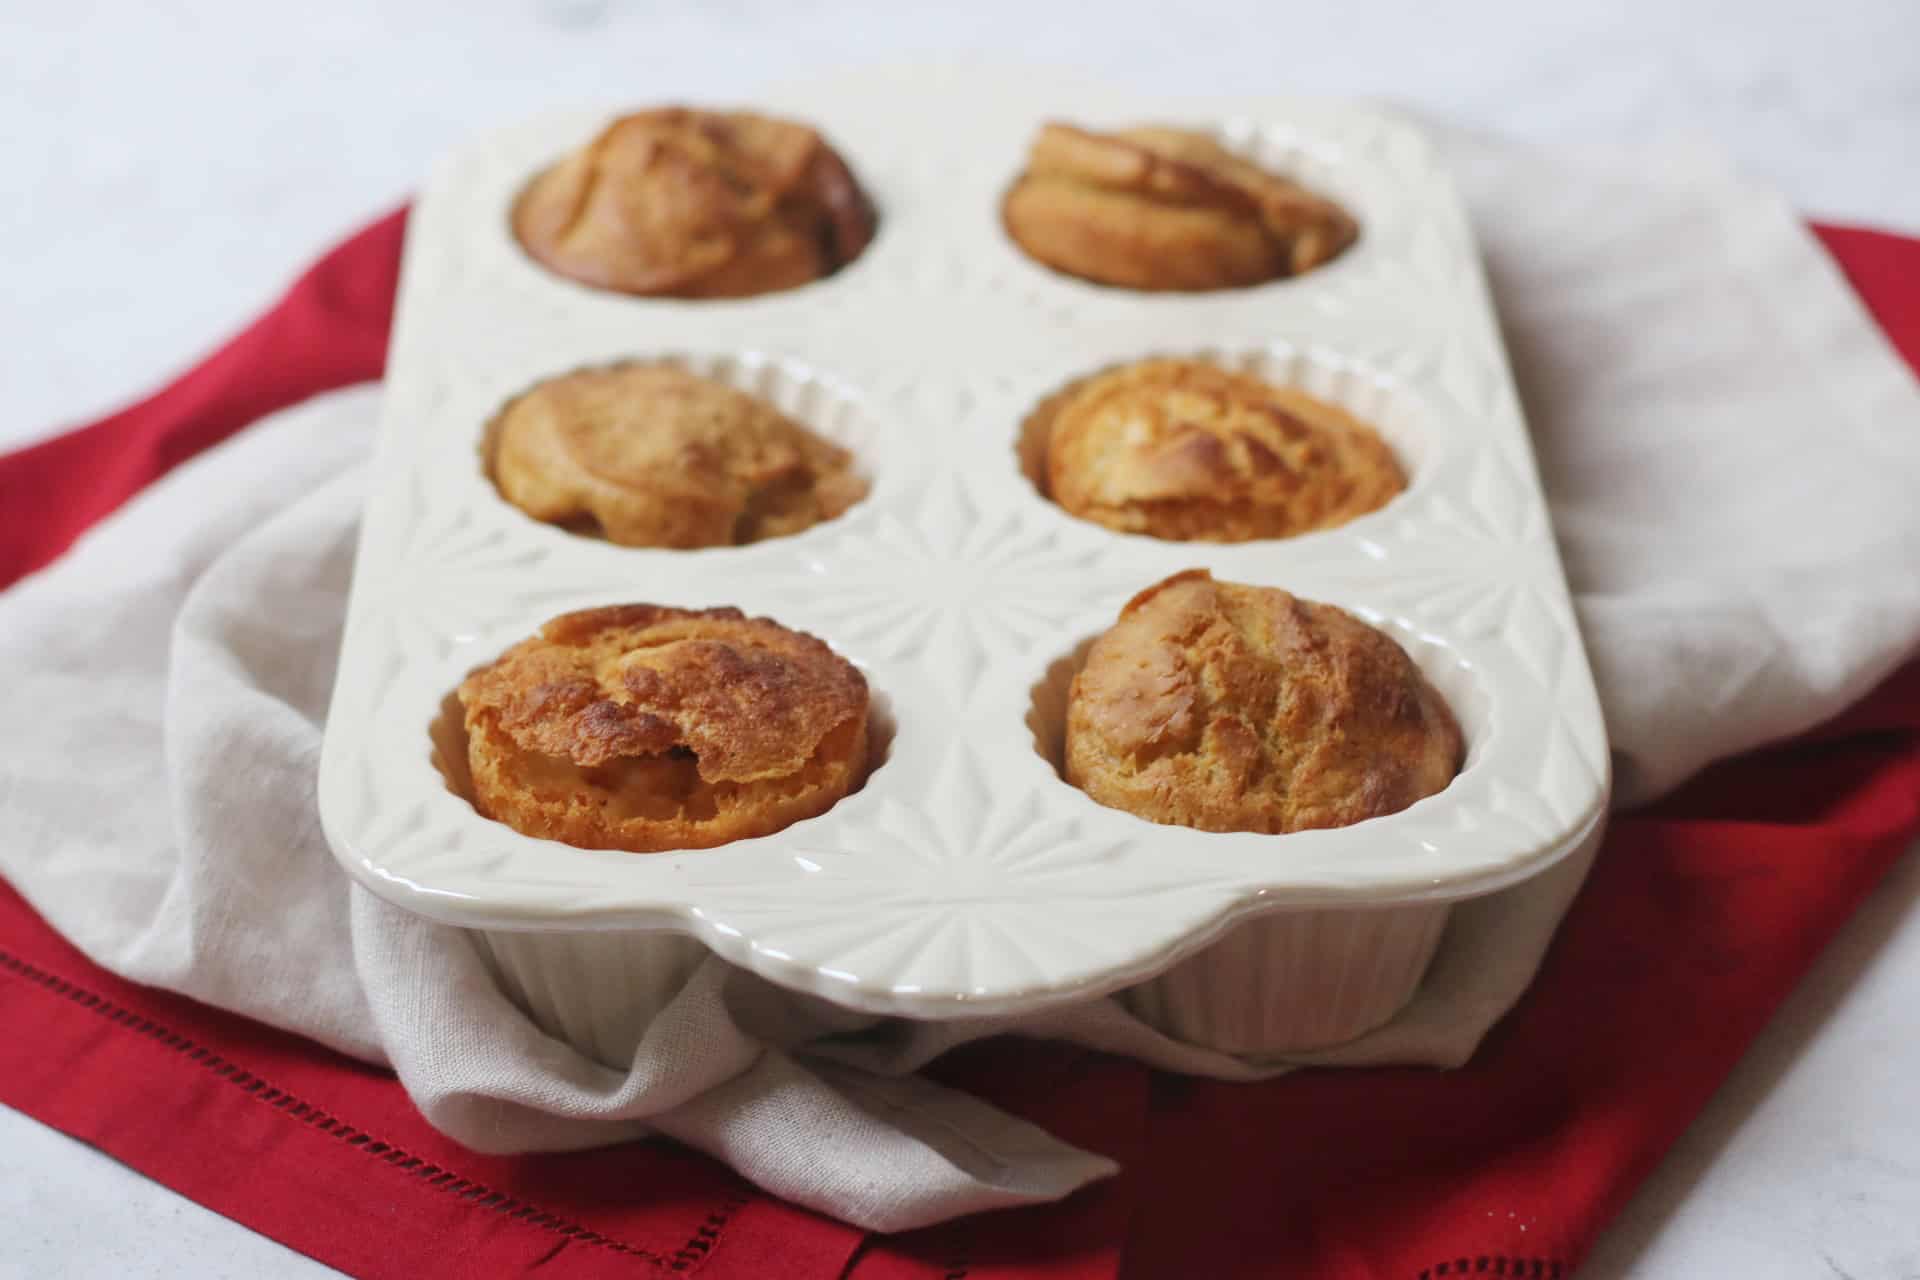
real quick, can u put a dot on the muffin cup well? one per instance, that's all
(847, 217)
(599, 992)
(1367, 394)
(813, 400)
(448, 754)
(1294, 980)
(1290, 980)
(1279, 151)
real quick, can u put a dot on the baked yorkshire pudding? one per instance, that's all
(1186, 450)
(646, 728)
(653, 456)
(1237, 708)
(696, 204)
(1166, 210)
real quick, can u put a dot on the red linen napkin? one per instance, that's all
(1716, 899)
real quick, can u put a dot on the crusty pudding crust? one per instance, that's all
(648, 728)
(1185, 450)
(684, 203)
(1238, 708)
(1164, 209)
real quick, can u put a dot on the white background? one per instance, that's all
(169, 166)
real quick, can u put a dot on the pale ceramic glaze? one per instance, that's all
(966, 878)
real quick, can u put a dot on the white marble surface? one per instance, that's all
(171, 165)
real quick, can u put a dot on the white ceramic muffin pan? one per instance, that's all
(966, 878)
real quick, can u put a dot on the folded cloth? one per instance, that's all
(1715, 900)
(1725, 332)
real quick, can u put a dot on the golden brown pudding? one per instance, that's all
(1166, 209)
(1186, 450)
(654, 456)
(645, 728)
(1238, 708)
(696, 204)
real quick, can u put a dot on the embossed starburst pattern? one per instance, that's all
(960, 584)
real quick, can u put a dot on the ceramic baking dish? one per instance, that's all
(966, 878)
